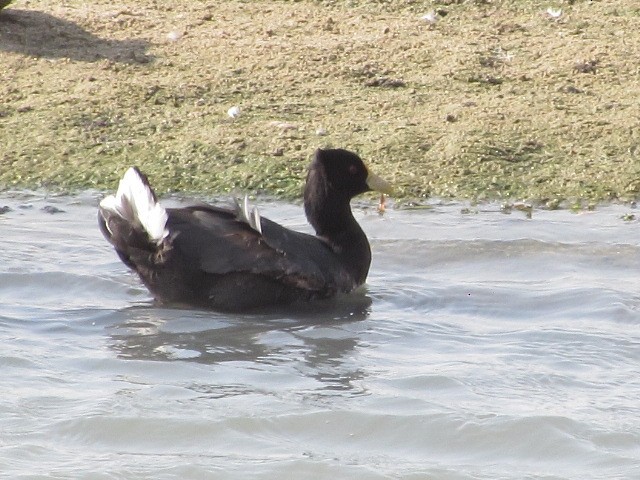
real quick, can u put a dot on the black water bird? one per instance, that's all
(233, 259)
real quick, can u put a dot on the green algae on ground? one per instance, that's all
(493, 101)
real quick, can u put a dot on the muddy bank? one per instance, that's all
(452, 99)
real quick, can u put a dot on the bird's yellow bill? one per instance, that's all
(379, 184)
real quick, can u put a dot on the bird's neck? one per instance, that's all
(330, 218)
(343, 234)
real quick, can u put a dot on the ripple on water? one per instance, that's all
(484, 346)
(60, 290)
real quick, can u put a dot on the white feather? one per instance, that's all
(245, 210)
(257, 225)
(250, 216)
(135, 203)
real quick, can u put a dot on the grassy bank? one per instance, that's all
(493, 100)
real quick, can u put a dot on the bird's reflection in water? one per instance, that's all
(313, 339)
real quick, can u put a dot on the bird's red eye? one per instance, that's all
(353, 169)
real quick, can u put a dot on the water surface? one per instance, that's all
(485, 346)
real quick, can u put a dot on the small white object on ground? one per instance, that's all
(174, 36)
(430, 17)
(554, 13)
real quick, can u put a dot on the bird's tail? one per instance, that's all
(136, 203)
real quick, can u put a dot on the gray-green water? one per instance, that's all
(485, 346)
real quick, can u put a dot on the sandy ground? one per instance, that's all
(463, 99)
